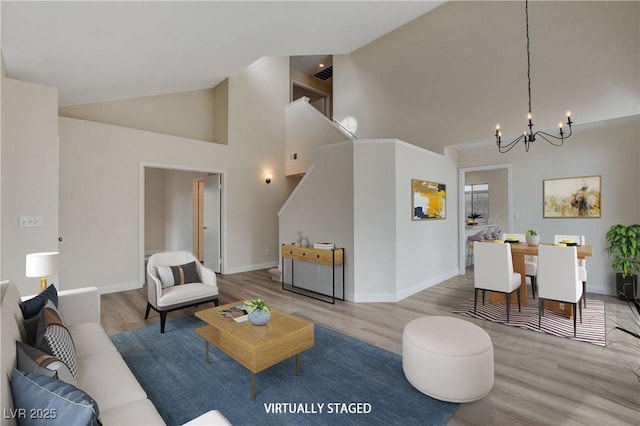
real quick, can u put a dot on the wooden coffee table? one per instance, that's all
(256, 347)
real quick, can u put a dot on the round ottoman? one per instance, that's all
(447, 358)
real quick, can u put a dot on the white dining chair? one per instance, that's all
(493, 271)
(558, 279)
(478, 236)
(582, 263)
(530, 262)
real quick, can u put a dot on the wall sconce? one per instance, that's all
(268, 177)
(40, 265)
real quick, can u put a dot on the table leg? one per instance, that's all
(253, 393)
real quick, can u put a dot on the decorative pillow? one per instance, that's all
(32, 360)
(55, 339)
(46, 400)
(32, 307)
(181, 274)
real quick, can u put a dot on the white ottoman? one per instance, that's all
(447, 358)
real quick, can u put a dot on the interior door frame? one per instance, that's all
(141, 210)
(198, 198)
(462, 257)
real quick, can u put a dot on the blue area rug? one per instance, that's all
(343, 382)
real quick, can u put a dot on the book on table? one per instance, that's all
(234, 312)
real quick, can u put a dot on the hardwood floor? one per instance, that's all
(539, 379)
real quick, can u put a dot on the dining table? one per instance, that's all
(518, 252)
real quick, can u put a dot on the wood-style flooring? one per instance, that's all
(539, 379)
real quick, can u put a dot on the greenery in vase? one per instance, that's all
(256, 305)
(624, 244)
(530, 232)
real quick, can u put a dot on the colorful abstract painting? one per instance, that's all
(429, 200)
(575, 197)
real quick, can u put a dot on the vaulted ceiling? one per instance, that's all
(103, 50)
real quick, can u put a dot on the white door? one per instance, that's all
(211, 223)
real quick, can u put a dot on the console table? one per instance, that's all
(329, 257)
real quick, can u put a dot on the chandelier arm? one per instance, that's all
(508, 147)
(544, 135)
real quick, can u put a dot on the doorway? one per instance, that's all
(317, 99)
(503, 196)
(207, 195)
(168, 189)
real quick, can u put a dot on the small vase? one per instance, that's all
(533, 240)
(259, 317)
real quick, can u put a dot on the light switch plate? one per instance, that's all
(30, 221)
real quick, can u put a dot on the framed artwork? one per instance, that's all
(429, 200)
(575, 197)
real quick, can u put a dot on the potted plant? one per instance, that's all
(258, 312)
(624, 245)
(473, 219)
(532, 237)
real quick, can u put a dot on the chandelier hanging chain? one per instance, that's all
(526, 14)
(530, 137)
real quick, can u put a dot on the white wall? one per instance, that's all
(427, 250)
(100, 166)
(609, 149)
(187, 114)
(449, 76)
(3, 73)
(29, 176)
(358, 195)
(306, 128)
(374, 221)
(321, 207)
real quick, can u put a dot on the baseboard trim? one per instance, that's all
(249, 268)
(118, 287)
(396, 297)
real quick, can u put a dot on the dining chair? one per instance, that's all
(493, 271)
(530, 262)
(478, 236)
(582, 263)
(558, 279)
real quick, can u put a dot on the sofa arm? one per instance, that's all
(79, 305)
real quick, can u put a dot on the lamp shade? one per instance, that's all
(42, 264)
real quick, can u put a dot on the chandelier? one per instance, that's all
(529, 136)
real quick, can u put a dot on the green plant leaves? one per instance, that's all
(624, 244)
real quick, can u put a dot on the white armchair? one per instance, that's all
(165, 297)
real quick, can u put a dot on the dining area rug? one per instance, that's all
(591, 330)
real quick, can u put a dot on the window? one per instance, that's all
(476, 200)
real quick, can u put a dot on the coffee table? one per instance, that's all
(256, 347)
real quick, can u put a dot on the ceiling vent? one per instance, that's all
(325, 74)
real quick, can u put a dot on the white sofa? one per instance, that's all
(102, 373)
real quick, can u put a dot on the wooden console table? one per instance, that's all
(330, 257)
